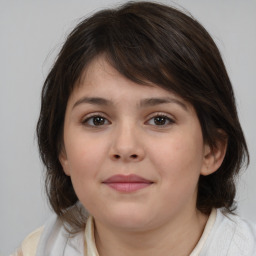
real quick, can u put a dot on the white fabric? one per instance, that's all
(56, 241)
(29, 245)
(223, 236)
(90, 239)
(207, 230)
(230, 236)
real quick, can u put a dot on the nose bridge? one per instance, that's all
(126, 144)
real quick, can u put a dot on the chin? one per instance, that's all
(130, 220)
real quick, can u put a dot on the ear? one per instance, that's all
(213, 157)
(64, 162)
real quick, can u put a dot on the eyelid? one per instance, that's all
(161, 114)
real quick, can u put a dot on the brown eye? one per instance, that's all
(96, 121)
(160, 120)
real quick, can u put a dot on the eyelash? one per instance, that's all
(153, 117)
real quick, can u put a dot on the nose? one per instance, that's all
(127, 144)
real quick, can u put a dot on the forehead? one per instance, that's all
(100, 78)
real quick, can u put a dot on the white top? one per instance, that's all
(224, 235)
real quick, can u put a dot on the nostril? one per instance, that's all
(133, 156)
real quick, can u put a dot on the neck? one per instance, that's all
(178, 237)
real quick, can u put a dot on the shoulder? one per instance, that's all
(56, 239)
(232, 235)
(244, 235)
(36, 242)
(29, 245)
(52, 239)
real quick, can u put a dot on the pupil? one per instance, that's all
(160, 120)
(98, 120)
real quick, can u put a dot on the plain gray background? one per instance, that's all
(32, 32)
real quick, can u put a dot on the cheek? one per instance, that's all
(179, 159)
(84, 159)
(178, 164)
(85, 156)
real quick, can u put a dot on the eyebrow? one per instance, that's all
(158, 101)
(93, 101)
(150, 102)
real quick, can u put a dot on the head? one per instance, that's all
(147, 43)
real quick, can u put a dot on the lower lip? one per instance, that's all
(128, 187)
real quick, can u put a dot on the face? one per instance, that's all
(134, 153)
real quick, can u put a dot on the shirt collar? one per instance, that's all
(90, 246)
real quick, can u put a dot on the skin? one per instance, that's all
(127, 138)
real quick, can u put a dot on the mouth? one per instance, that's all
(127, 183)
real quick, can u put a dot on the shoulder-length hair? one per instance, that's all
(147, 43)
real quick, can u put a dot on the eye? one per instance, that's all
(160, 120)
(96, 120)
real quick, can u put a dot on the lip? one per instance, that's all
(127, 183)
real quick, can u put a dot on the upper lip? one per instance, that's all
(131, 178)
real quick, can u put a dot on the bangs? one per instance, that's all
(143, 50)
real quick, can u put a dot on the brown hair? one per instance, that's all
(145, 42)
